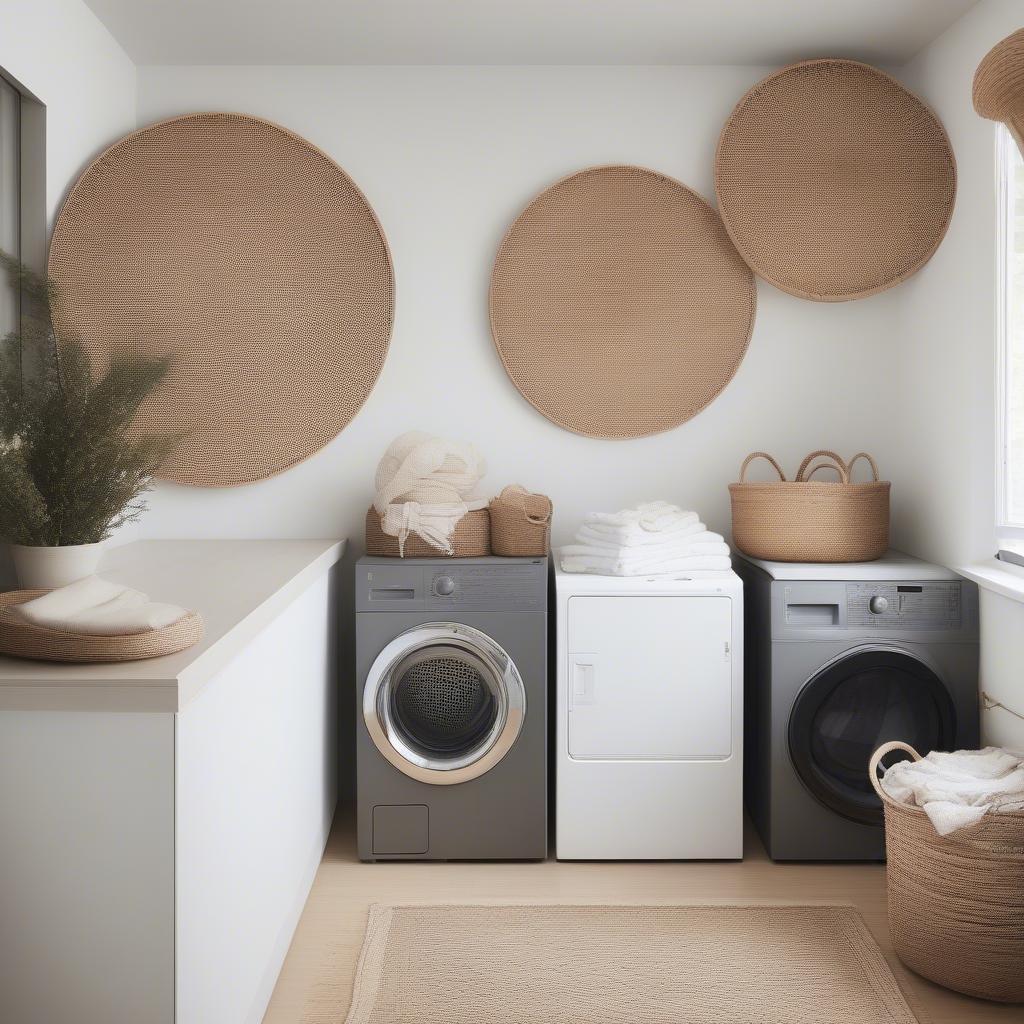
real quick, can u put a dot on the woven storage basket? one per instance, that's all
(471, 539)
(22, 639)
(956, 902)
(520, 523)
(806, 520)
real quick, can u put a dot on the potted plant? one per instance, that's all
(71, 472)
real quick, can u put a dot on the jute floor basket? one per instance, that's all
(22, 639)
(956, 902)
(520, 523)
(471, 539)
(805, 520)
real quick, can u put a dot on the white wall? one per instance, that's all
(448, 157)
(946, 349)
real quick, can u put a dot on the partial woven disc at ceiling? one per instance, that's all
(618, 304)
(250, 257)
(834, 181)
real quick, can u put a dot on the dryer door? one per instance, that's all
(849, 709)
(443, 703)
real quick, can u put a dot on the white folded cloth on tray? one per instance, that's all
(99, 607)
(425, 485)
(652, 539)
(958, 789)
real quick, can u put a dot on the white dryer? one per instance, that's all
(648, 744)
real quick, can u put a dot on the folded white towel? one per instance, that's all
(958, 789)
(641, 561)
(652, 517)
(99, 607)
(636, 535)
(670, 566)
(695, 542)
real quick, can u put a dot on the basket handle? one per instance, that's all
(876, 760)
(821, 465)
(760, 455)
(844, 472)
(871, 463)
(538, 509)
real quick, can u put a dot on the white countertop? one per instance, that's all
(237, 586)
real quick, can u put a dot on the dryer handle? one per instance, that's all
(582, 679)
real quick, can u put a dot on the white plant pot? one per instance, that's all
(44, 568)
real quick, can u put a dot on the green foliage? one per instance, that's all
(70, 472)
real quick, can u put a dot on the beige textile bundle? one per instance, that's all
(424, 486)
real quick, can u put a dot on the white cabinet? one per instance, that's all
(161, 824)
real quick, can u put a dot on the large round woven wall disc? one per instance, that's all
(834, 181)
(253, 259)
(618, 304)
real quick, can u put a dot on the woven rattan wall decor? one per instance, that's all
(251, 257)
(618, 304)
(999, 85)
(834, 182)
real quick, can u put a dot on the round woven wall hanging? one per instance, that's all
(834, 181)
(999, 85)
(250, 257)
(618, 304)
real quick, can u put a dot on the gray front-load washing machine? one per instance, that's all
(451, 708)
(840, 659)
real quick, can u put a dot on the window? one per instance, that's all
(10, 197)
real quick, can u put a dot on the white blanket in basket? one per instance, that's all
(956, 790)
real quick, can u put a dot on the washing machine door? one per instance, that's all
(444, 703)
(849, 709)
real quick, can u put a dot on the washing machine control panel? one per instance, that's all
(451, 585)
(933, 605)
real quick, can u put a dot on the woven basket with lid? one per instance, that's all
(805, 520)
(956, 902)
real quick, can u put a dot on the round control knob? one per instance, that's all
(877, 605)
(444, 586)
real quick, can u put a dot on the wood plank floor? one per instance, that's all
(315, 983)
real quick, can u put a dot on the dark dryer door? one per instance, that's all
(853, 706)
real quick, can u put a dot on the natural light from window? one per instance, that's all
(1011, 463)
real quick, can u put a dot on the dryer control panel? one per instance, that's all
(913, 605)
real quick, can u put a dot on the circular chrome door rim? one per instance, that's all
(509, 691)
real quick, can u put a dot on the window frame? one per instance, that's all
(19, 189)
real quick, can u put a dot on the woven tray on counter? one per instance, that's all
(21, 639)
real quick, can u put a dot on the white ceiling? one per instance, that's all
(523, 31)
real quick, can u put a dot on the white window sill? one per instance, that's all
(1001, 578)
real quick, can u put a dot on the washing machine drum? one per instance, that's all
(849, 709)
(444, 703)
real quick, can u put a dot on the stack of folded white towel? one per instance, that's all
(650, 540)
(99, 607)
(958, 789)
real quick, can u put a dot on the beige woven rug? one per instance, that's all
(248, 254)
(833, 180)
(618, 304)
(623, 965)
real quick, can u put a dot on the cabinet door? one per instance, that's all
(649, 678)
